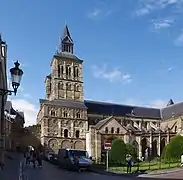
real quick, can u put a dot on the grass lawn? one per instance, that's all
(147, 166)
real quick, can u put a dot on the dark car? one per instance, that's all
(54, 159)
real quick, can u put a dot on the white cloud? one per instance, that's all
(158, 103)
(29, 109)
(27, 95)
(179, 39)
(94, 13)
(154, 103)
(162, 23)
(112, 75)
(147, 6)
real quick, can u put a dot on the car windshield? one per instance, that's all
(77, 153)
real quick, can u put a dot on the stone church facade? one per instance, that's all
(69, 121)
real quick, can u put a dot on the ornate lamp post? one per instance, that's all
(16, 75)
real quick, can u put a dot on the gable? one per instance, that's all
(112, 123)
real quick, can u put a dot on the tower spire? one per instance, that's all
(66, 42)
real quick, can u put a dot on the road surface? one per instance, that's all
(52, 172)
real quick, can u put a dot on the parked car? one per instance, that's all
(66, 159)
(54, 159)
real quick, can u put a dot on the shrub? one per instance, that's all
(118, 151)
(174, 149)
(130, 149)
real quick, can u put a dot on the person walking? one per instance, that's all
(33, 158)
(27, 157)
(129, 163)
(39, 158)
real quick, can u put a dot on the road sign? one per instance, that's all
(107, 145)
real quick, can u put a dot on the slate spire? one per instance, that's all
(66, 43)
(170, 102)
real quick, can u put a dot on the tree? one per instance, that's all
(130, 149)
(174, 149)
(34, 129)
(118, 151)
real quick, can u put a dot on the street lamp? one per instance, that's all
(16, 75)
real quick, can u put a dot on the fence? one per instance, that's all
(139, 166)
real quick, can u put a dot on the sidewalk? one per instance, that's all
(161, 172)
(12, 166)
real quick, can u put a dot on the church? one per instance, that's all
(67, 120)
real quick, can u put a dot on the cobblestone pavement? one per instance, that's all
(51, 172)
(12, 166)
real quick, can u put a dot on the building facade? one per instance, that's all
(3, 82)
(69, 121)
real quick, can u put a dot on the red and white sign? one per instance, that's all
(107, 144)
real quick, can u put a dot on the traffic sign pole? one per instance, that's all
(107, 160)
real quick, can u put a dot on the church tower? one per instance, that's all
(63, 114)
(66, 80)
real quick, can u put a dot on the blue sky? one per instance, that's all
(132, 49)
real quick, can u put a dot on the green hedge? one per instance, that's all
(174, 149)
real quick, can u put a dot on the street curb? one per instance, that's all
(160, 173)
(116, 174)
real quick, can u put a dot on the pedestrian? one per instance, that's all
(129, 163)
(33, 158)
(27, 157)
(39, 158)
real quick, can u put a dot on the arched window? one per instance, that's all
(118, 130)
(76, 87)
(60, 85)
(106, 130)
(62, 69)
(65, 114)
(58, 71)
(65, 133)
(68, 86)
(52, 113)
(76, 72)
(78, 115)
(77, 133)
(68, 71)
(112, 130)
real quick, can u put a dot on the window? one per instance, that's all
(68, 71)
(58, 71)
(65, 114)
(106, 130)
(65, 133)
(78, 115)
(62, 69)
(118, 130)
(60, 85)
(77, 134)
(76, 72)
(112, 130)
(68, 87)
(76, 87)
(52, 113)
